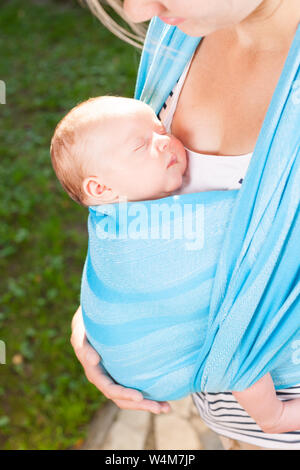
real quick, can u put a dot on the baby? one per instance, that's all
(144, 162)
(110, 149)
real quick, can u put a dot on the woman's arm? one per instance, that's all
(270, 413)
(125, 398)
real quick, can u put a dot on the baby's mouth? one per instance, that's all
(172, 160)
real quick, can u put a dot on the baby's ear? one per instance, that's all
(96, 192)
(92, 186)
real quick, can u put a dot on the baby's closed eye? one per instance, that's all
(142, 145)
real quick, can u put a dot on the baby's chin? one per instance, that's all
(174, 181)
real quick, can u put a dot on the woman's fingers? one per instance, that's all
(78, 337)
(77, 318)
(113, 391)
(145, 405)
(90, 359)
(90, 355)
(123, 397)
(85, 353)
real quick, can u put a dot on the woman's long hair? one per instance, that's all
(136, 39)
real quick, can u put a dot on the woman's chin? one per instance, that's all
(196, 31)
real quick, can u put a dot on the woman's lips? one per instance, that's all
(172, 21)
(172, 161)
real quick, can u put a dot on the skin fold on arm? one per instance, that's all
(270, 413)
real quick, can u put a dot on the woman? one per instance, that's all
(223, 121)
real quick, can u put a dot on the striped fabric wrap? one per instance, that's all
(171, 316)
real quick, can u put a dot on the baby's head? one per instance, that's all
(109, 149)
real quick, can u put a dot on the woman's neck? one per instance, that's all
(270, 27)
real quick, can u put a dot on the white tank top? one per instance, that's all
(205, 172)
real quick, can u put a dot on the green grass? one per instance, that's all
(54, 54)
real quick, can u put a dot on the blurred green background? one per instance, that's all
(54, 54)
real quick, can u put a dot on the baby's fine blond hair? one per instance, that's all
(67, 147)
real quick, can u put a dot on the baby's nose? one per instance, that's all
(163, 142)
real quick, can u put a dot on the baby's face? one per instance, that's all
(139, 160)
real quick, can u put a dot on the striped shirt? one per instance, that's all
(224, 415)
(221, 411)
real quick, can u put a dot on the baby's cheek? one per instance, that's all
(183, 158)
(174, 180)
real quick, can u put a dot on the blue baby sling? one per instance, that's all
(218, 308)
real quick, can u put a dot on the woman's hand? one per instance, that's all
(125, 398)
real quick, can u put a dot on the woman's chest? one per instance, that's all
(224, 100)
